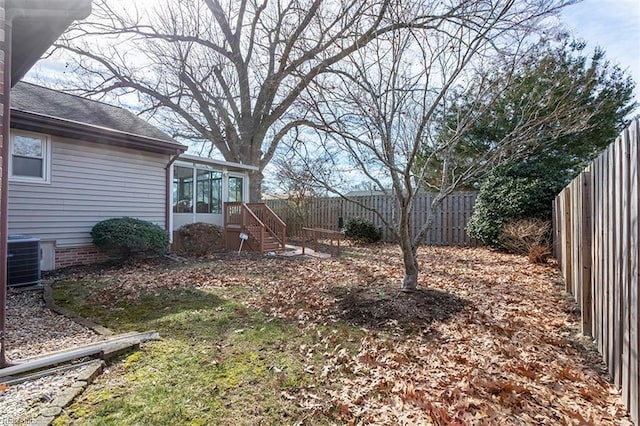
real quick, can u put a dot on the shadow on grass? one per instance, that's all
(219, 362)
(382, 307)
(186, 314)
(123, 314)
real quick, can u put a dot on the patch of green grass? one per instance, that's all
(219, 362)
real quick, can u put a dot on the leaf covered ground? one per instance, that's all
(487, 339)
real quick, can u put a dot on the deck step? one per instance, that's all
(260, 236)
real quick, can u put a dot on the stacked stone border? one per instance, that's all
(66, 397)
(86, 375)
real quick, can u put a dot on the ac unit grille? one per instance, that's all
(23, 260)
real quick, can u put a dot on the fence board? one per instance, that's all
(448, 227)
(585, 253)
(633, 394)
(596, 241)
(567, 263)
(624, 268)
(575, 240)
(611, 230)
(616, 352)
(599, 254)
(606, 283)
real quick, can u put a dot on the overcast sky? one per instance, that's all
(613, 25)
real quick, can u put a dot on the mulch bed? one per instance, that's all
(379, 305)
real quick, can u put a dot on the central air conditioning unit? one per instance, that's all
(23, 260)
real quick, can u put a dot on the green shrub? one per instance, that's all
(127, 236)
(510, 193)
(361, 229)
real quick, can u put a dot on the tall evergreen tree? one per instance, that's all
(604, 89)
(553, 72)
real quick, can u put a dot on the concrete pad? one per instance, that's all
(292, 250)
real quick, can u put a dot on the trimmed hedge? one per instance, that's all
(128, 236)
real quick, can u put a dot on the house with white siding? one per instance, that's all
(74, 162)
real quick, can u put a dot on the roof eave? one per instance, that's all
(211, 161)
(35, 26)
(87, 133)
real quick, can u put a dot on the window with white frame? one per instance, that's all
(235, 189)
(30, 157)
(182, 189)
(209, 191)
(205, 196)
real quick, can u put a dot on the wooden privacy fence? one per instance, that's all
(448, 228)
(596, 240)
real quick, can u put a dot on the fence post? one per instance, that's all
(586, 254)
(566, 252)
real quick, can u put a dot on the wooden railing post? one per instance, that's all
(243, 220)
(262, 239)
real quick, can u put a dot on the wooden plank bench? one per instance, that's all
(316, 232)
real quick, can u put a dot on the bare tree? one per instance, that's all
(298, 181)
(392, 109)
(228, 72)
(297, 187)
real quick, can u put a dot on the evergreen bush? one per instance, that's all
(128, 236)
(524, 191)
(361, 229)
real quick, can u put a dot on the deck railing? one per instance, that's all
(257, 220)
(233, 214)
(275, 225)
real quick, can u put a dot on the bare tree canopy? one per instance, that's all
(376, 83)
(228, 72)
(392, 111)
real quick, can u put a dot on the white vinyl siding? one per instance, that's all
(89, 183)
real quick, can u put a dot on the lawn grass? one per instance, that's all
(219, 362)
(487, 339)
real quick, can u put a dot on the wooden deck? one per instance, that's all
(266, 232)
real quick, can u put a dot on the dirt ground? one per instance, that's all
(378, 305)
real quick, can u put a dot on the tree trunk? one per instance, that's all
(409, 258)
(410, 280)
(255, 186)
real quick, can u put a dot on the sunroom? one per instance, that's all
(201, 186)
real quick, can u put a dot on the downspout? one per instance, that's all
(168, 195)
(4, 186)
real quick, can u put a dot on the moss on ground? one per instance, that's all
(218, 362)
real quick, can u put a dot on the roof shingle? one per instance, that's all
(40, 100)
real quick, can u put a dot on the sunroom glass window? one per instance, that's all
(209, 189)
